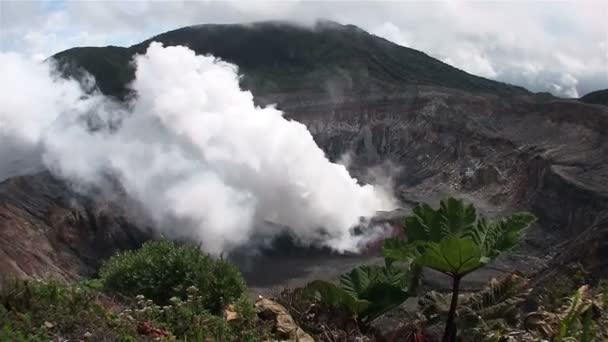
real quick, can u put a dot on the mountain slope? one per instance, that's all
(597, 97)
(280, 57)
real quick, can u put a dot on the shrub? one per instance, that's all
(161, 270)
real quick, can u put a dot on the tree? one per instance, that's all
(455, 241)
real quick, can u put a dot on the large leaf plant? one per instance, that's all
(365, 292)
(456, 241)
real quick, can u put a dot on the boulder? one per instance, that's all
(284, 326)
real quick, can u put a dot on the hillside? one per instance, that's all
(276, 57)
(597, 97)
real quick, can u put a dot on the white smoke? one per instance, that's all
(32, 96)
(203, 160)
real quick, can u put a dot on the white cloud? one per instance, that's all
(393, 33)
(472, 61)
(500, 40)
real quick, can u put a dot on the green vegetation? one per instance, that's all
(365, 293)
(161, 270)
(493, 309)
(189, 320)
(497, 314)
(37, 311)
(454, 240)
(172, 292)
(167, 292)
(579, 319)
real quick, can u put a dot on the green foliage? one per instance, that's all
(218, 311)
(452, 255)
(579, 318)
(43, 311)
(554, 297)
(366, 292)
(453, 239)
(582, 318)
(334, 295)
(400, 250)
(189, 320)
(37, 310)
(496, 314)
(14, 334)
(496, 307)
(498, 303)
(501, 235)
(161, 270)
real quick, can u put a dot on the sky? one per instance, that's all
(555, 46)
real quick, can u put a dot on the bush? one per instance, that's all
(161, 270)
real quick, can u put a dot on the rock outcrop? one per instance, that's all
(50, 231)
(283, 325)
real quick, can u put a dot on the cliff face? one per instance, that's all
(542, 150)
(505, 154)
(48, 230)
(434, 129)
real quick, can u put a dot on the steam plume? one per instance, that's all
(193, 149)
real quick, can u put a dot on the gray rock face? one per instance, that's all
(504, 154)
